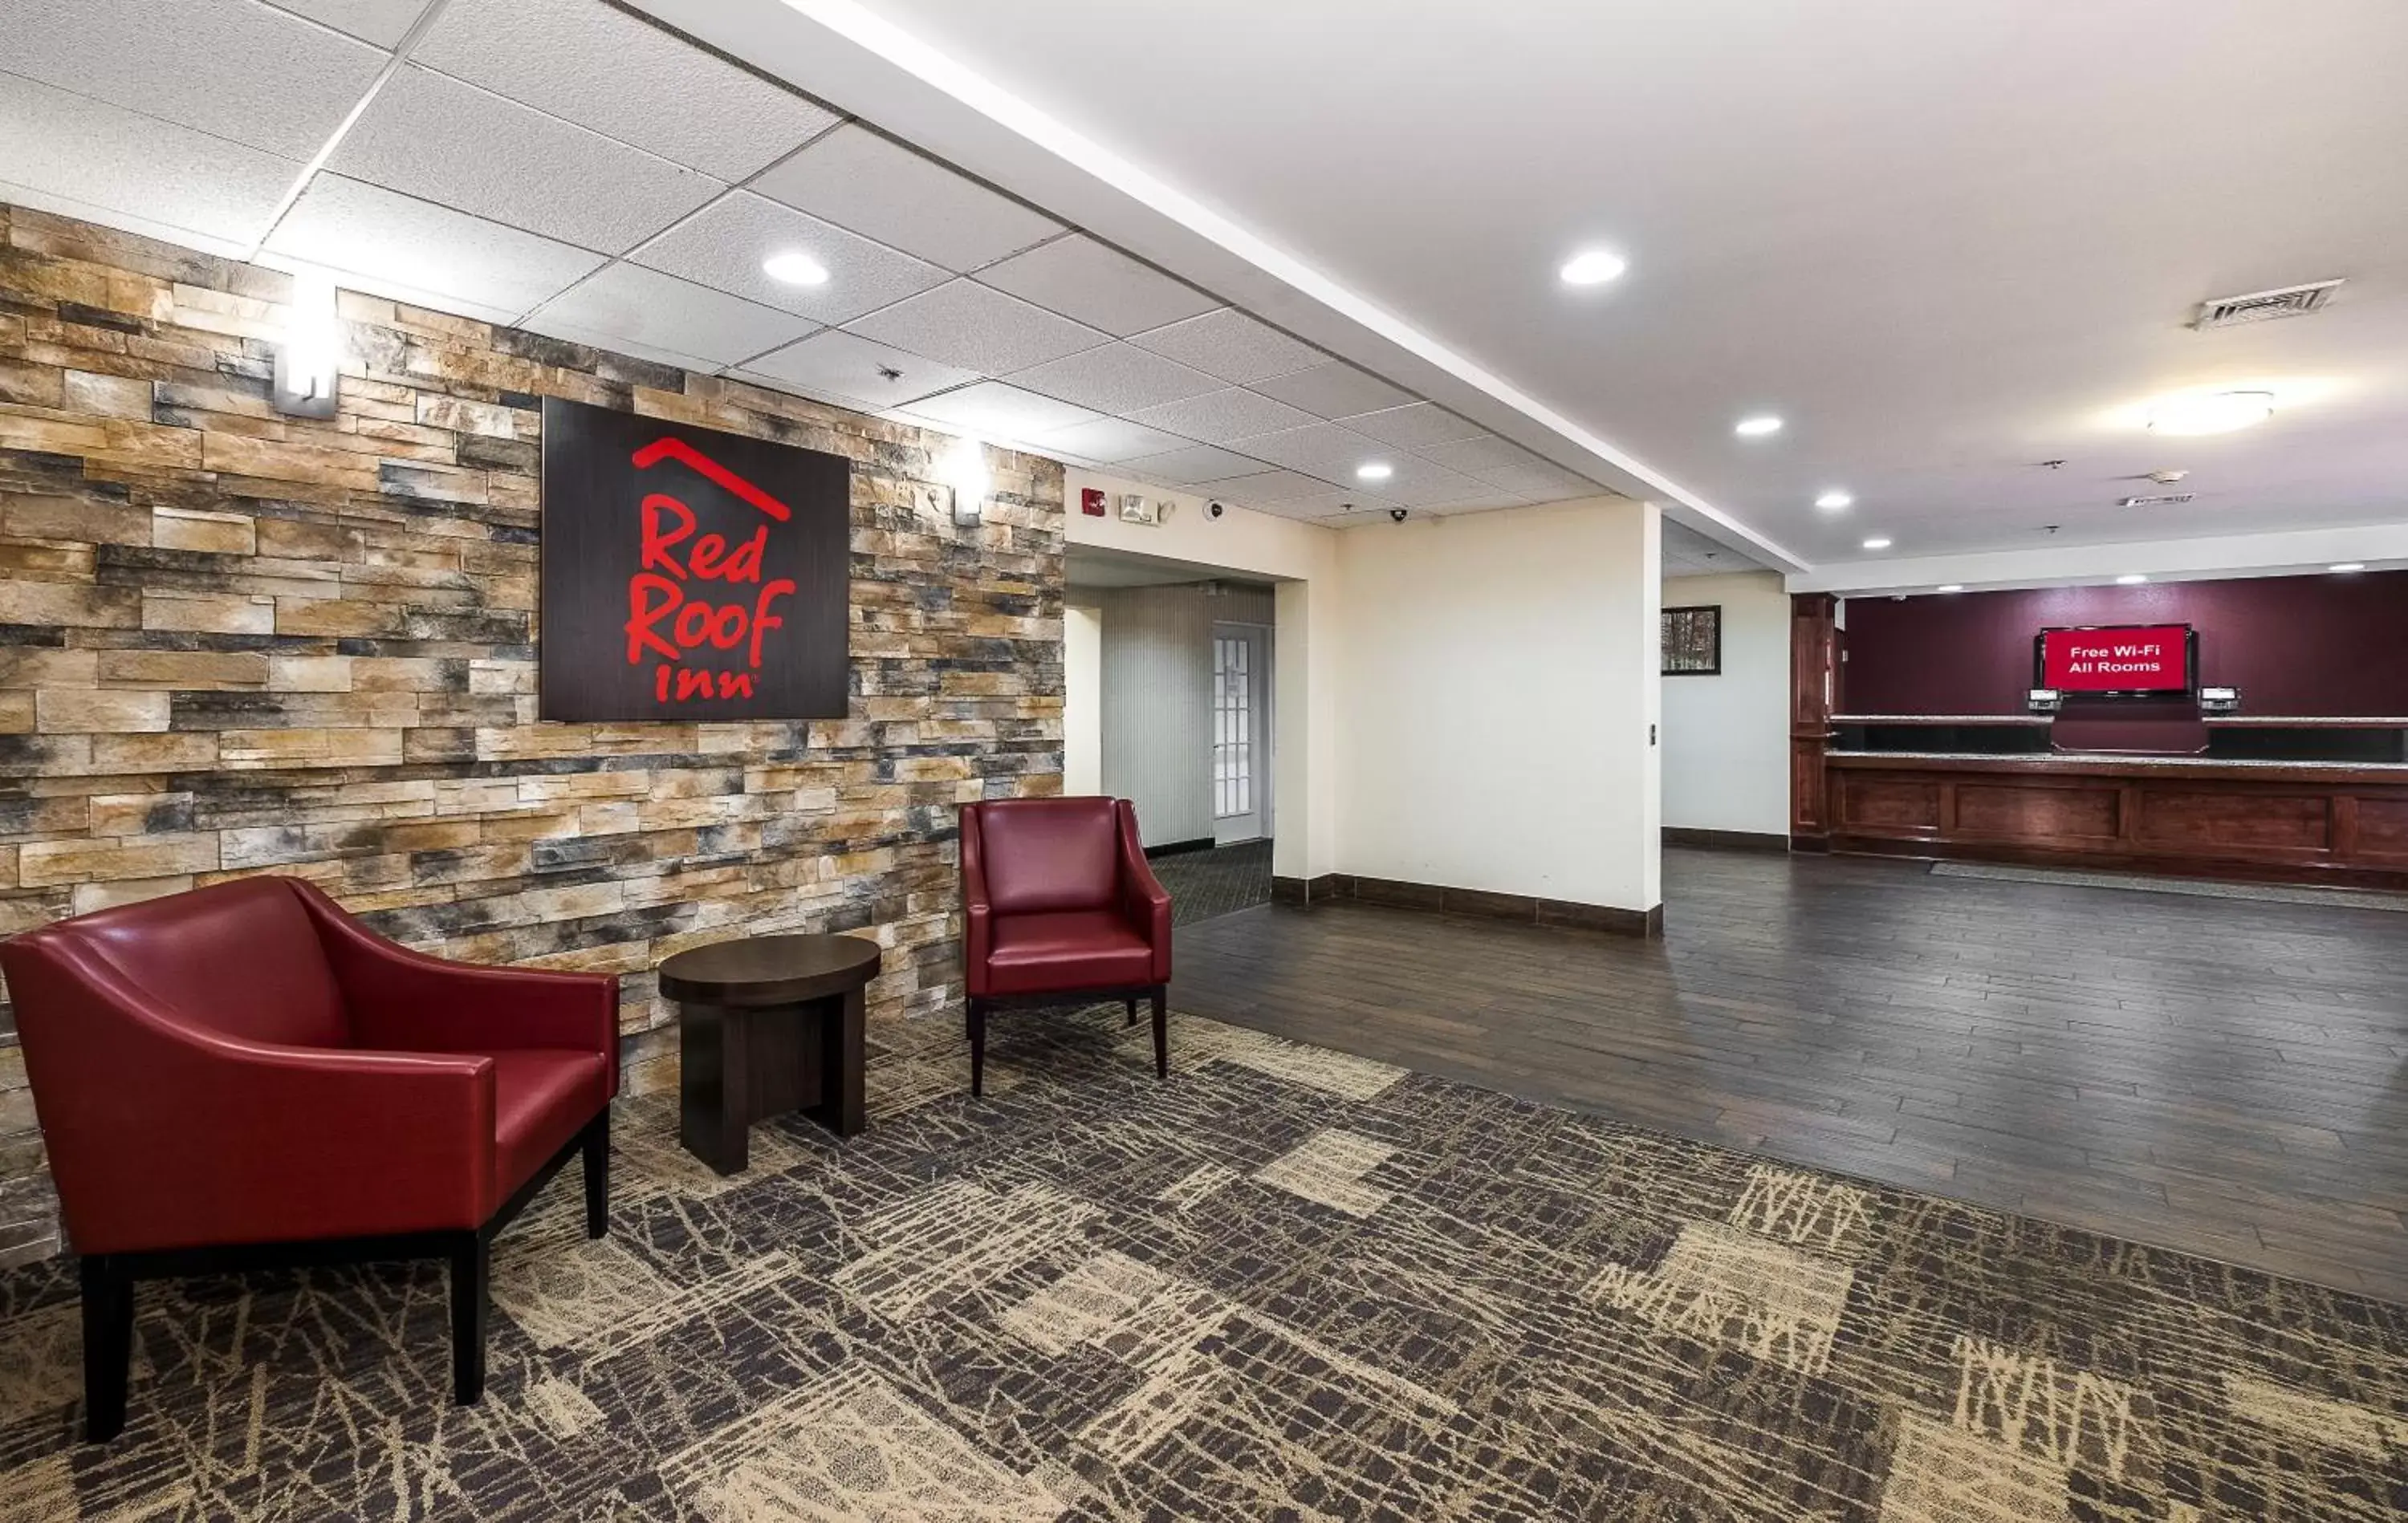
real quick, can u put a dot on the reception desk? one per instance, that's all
(2301, 822)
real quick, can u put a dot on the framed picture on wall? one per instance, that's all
(1693, 641)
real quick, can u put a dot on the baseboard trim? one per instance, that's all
(1527, 910)
(1173, 848)
(1686, 835)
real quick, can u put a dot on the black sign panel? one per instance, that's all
(690, 574)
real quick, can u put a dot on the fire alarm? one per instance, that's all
(1091, 501)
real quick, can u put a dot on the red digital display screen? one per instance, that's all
(2116, 658)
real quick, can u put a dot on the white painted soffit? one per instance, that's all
(845, 55)
(2288, 552)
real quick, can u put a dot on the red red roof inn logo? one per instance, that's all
(689, 573)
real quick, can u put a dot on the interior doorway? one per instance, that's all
(1241, 732)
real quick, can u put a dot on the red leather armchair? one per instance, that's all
(244, 1076)
(1059, 905)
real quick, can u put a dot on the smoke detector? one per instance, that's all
(2264, 305)
(2166, 479)
(2162, 500)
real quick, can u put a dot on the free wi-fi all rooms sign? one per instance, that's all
(690, 574)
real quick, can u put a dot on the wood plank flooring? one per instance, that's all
(2229, 1078)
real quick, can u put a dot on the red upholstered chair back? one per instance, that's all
(240, 957)
(1043, 855)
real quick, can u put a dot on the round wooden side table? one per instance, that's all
(766, 1025)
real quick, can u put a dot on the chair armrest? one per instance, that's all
(978, 914)
(166, 1134)
(409, 1002)
(1144, 902)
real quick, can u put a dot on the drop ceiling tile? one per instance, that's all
(1339, 507)
(1336, 390)
(848, 365)
(964, 324)
(98, 158)
(1222, 416)
(431, 137)
(342, 224)
(1116, 378)
(876, 187)
(1269, 487)
(1233, 345)
(1195, 463)
(1485, 453)
(1111, 440)
(1410, 427)
(645, 306)
(723, 246)
(619, 344)
(383, 22)
(1095, 284)
(229, 67)
(1322, 450)
(1418, 484)
(1479, 500)
(600, 68)
(1540, 481)
(1000, 411)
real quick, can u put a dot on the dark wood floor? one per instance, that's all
(2225, 1076)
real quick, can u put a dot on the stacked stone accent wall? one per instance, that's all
(233, 642)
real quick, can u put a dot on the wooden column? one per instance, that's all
(1814, 674)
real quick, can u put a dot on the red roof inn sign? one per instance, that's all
(690, 574)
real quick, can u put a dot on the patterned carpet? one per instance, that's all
(1206, 884)
(1287, 1284)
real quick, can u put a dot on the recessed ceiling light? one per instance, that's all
(1834, 499)
(1592, 267)
(2131, 578)
(1376, 470)
(794, 269)
(1876, 544)
(2216, 412)
(2347, 565)
(1953, 587)
(1757, 426)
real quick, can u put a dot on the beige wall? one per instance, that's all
(1082, 697)
(1495, 683)
(1727, 738)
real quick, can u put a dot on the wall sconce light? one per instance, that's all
(963, 468)
(308, 361)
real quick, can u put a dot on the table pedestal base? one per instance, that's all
(741, 1063)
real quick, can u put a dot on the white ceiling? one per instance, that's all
(565, 167)
(1947, 243)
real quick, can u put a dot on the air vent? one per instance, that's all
(2264, 305)
(2165, 500)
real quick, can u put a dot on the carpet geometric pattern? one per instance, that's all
(1206, 885)
(1288, 1284)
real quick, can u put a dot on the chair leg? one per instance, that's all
(471, 1262)
(978, 1049)
(108, 1347)
(1132, 1013)
(598, 1175)
(1161, 1034)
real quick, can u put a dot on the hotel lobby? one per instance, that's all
(892, 759)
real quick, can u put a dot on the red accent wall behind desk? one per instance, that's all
(2326, 646)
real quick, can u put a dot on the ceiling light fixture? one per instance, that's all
(2131, 578)
(1876, 544)
(1377, 470)
(794, 269)
(2347, 565)
(1592, 267)
(1757, 426)
(2213, 412)
(1953, 587)
(1834, 499)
